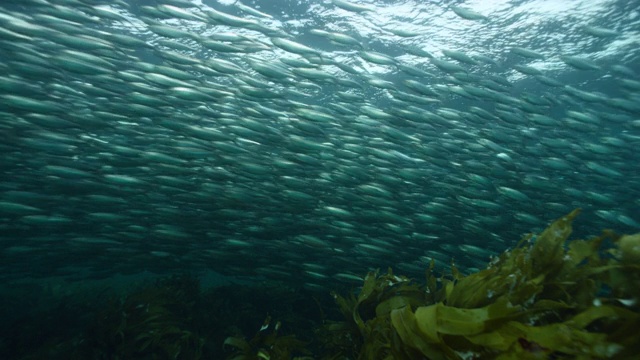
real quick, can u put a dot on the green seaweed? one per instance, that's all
(152, 323)
(548, 297)
(265, 345)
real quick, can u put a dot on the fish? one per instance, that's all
(350, 6)
(600, 31)
(468, 14)
(460, 56)
(305, 144)
(527, 53)
(580, 63)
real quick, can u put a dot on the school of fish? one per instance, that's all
(307, 142)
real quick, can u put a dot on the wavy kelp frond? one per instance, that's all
(440, 332)
(378, 296)
(545, 298)
(368, 314)
(547, 252)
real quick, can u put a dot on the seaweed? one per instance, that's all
(174, 319)
(367, 315)
(546, 298)
(152, 323)
(265, 345)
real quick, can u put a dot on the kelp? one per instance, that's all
(368, 314)
(169, 318)
(151, 323)
(173, 319)
(546, 298)
(266, 344)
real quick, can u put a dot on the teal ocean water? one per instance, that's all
(301, 144)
